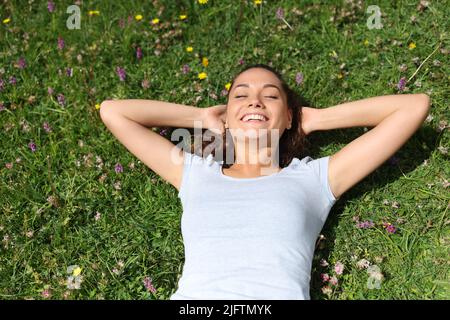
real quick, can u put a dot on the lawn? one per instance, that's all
(82, 218)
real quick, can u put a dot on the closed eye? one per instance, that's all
(274, 97)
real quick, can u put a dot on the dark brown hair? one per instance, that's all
(293, 142)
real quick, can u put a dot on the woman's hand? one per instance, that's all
(309, 115)
(214, 118)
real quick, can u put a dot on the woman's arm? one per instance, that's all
(128, 121)
(395, 119)
(367, 112)
(153, 113)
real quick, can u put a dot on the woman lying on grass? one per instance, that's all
(251, 219)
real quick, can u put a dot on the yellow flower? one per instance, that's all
(202, 1)
(202, 75)
(258, 1)
(228, 86)
(97, 106)
(138, 17)
(366, 42)
(155, 21)
(94, 12)
(7, 20)
(183, 16)
(76, 271)
(340, 75)
(205, 61)
(189, 49)
(412, 45)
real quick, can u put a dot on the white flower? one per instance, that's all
(363, 264)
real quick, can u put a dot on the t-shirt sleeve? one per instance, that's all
(320, 168)
(187, 161)
(190, 161)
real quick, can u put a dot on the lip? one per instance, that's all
(258, 113)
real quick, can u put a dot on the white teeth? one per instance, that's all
(254, 117)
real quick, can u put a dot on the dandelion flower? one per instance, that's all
(155, 21)
(205, 61)
(76, 271)
(366, 42)
(138, 17)
(257, 2)
(189, 49)
(228, 86)
(183, 16)
(94, 12)
(202, 75)
(412, 45)
(7, 20)
(203, 1)
(97, 106)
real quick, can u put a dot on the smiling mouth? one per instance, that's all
(254, 119)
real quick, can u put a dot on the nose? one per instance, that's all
(255, 103)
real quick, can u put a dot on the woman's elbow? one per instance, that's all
(424, 101)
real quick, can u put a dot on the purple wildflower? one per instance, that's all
(61, 99)
(389, 227)
(46, 293)
(69, 72)
(50, 91)
(401, 84)
(21, 63)
(47, 127)
(280, 13)
(130, 20)
(325, 277)
(139, 53)
(118, 168)
(224, 92)
(50, 6)
(365, 224)
(148, 285)
(61, 43)
(186, 68)
(12, 80)
(299, 78)
(241, 61)
(32, 146)
(121, 73)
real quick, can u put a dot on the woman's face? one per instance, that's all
(258, 91)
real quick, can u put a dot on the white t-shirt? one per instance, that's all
(251, 238)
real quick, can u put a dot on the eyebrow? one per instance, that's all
(264, 86)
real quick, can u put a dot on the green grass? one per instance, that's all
(139, 224)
